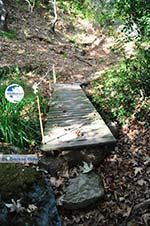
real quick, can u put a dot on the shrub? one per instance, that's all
(120, 90)
(99, 11)
(134, 12)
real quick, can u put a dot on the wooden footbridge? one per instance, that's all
(73, 121)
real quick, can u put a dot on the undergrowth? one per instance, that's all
(101, 12)
(19, 124)
(11, 34)
(124, 90)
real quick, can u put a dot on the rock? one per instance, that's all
(83, 191)
(85, 39)
(52, 164)
(31, 187)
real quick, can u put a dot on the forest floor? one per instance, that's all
(80, 51)
(77, 49)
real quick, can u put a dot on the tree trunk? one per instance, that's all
(3, 16)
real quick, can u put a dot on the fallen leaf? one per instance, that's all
(128, 211)
(137, 170)
(66, 174)
(11, 206)
(147, 161)
(86, 167)
(53, 181)
(31, 208)
(121, 199)
(21, 51)
(15, 206)
(59, 182)
(146, 219)
(60, 200)
(141, 182)
(56, 182)
(78, 132)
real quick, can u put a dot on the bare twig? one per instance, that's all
(143, 204)
(40, 37)
(134, 210)
(31, 5)
(48, 71)
(81, 59)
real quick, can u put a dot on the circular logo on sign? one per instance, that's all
(14, 93)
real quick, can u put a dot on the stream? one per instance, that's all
(26, 197)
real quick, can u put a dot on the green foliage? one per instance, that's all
(19, 124)
(12, 35)
(33, 3)
(99, 11)
(119, 91)
(137, 11)
(124, 90)
(103, 12)
(73, 7)
(106, 12)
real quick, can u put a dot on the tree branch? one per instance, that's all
(55, 16)
(3, 17)
(31, 6)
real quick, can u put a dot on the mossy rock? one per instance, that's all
(15, 179)
(29, 186)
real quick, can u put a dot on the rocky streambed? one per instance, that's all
(26, 197)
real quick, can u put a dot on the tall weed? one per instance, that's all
(19, 123)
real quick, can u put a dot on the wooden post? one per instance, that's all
(54, 74)
(40, 119)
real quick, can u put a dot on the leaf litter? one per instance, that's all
(126, 172)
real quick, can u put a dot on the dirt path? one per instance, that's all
(80, 51)
(77, 52)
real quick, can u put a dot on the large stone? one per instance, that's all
(83, 191)
(53, 165)
(32, 188)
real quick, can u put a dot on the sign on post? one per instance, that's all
(22, 159)
(14, 93)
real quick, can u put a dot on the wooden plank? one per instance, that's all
(66, 115)
(73, 121)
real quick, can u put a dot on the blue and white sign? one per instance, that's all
(14, 93)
